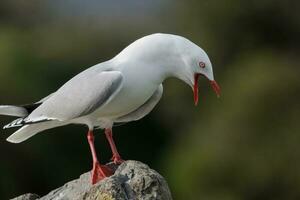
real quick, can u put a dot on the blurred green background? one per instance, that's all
(243, 146)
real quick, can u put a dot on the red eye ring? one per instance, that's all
(202, 64)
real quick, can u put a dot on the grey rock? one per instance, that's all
(27, 197)
(132, 180)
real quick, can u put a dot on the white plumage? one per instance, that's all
(123, 89)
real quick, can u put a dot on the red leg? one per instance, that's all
(116, 156)
(99, 172)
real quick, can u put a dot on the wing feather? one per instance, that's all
(79, 97)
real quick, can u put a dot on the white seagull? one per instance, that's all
(123, 89)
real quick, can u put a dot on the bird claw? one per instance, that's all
(100, 172)
(117, 159)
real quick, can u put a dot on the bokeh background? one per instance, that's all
(243, 146)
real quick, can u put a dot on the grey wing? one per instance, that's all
(20, 110)
(45, 98)
(143, 110)
(78, 97)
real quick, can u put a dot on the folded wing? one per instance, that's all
(79, 97)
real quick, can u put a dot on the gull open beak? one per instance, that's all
(216, 88)
(195, 88)
(213, 84)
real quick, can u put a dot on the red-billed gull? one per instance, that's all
(123, 89)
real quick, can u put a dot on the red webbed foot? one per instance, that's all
(117, 159)
(100, 172)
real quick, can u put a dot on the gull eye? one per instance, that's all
(202, 64)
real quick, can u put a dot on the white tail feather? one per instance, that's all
(13, 111)
(28, 131)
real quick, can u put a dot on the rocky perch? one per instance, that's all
(132, 180)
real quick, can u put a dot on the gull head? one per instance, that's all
(168, 55)
(196, 64)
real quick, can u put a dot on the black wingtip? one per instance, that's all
(16, 123)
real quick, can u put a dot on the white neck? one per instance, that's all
(156, 60)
